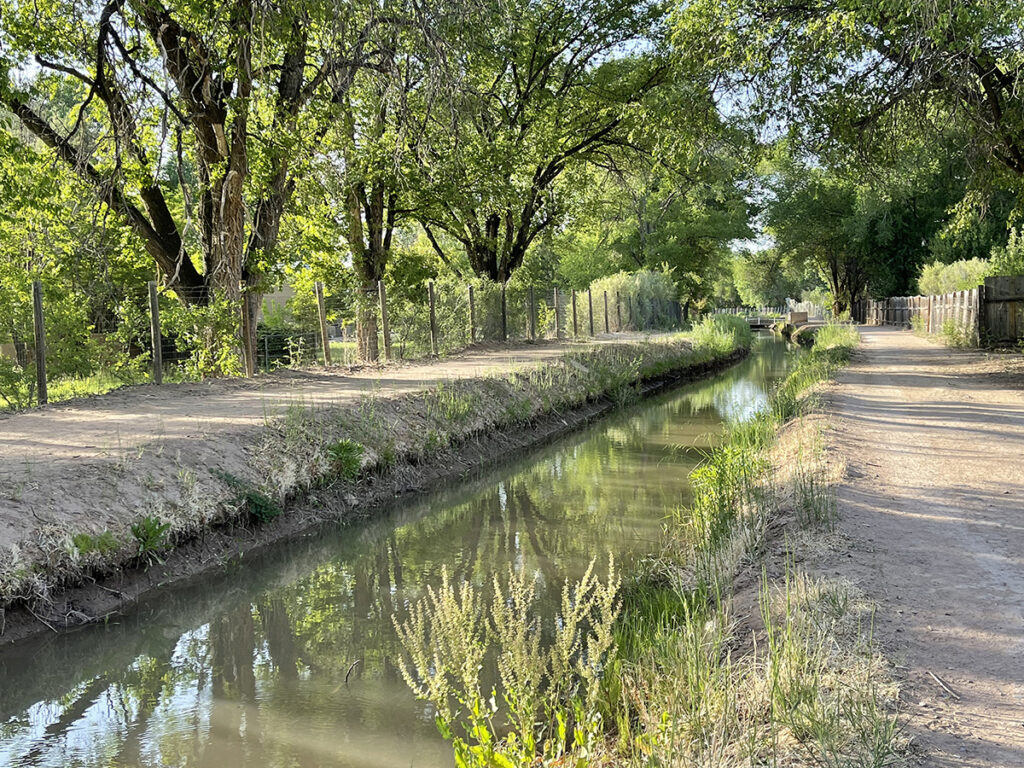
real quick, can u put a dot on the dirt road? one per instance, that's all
(934, 515)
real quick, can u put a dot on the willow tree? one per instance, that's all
(189, 121)
(536, 88)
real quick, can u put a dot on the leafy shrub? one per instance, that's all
(347, 458)
(938, 278)
(955, 334)
(1009, 260)
(722, 334)
(646, 298)
(549, 688)
(151, 536)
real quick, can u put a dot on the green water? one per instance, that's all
(249, 667)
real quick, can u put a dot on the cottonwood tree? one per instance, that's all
(190, 120)
(864, 72)
(537, 87)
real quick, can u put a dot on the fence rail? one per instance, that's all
(990, 313)
(429, 320)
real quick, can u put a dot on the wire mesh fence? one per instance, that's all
(183, 334)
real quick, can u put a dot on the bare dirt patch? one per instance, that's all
(932, 511)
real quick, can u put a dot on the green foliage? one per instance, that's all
(1009, 260)
(937, 278)
(645, 298)
(346, 458)
(260, 507)
(103, 543)
(151, 536)
(207, 334)
(722, 334)
(956, 334)
(549, 671)
(765, 278)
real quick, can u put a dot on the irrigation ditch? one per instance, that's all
(315, 466)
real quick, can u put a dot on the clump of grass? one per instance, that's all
(151, 535)
(346, 458)
(722, 334)
(260, 507)
(102, 543)
(447, 404)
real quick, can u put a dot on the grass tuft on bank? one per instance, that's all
(725, 652)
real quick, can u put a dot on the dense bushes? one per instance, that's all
(647, 298)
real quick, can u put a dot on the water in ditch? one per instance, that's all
(289, 659)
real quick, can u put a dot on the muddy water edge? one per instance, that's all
(290, 658)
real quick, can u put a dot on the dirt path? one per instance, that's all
(934, 514)
(66, 462)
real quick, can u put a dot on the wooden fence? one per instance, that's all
(990, 313)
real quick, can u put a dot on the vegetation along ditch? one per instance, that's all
(702, 644)
(719, 649)
(313, 463)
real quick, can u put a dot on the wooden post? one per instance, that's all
(385, 322)
(929, 323)
(154, 334)
(606, 329)
(558, 335)
(321, 310)
(40, 339)
(618, 313)
(979, 308)
(248, 347)
(533, 316)
(504, 314)
(472, 317)
(590, 301)
(575, 326)
(433, 320)
(629, 309)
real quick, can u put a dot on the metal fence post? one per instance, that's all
(433, 320)
(618, 313)
(606, 328)
(40, 339)
(575, 326)
(385, 323)
(154, 333)
(590, 302)
(321, 311)
(472, 317)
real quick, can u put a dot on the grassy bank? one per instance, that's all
(270, 480)
(721, 651)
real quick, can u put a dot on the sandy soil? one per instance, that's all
(933, 511)
(64, 462)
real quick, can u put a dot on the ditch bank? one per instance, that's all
(314, 466)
